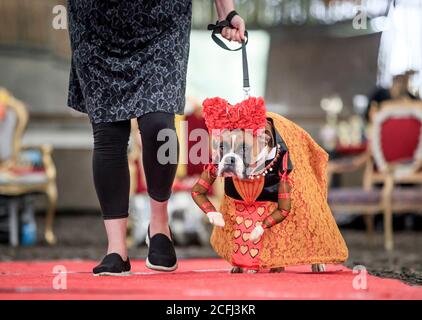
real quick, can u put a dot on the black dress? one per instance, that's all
(129, 57)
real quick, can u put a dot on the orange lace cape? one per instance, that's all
(310, 234)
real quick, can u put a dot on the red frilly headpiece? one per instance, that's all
(248, 114)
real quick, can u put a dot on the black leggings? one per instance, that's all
(110, 162)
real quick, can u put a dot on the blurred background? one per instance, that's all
(348, 71)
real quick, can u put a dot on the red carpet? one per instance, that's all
(195, 279)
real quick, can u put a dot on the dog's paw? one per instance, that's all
(252, 271)
(319, 267)
(236, 270)
(276, 270)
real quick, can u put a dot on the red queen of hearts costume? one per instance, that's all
(289, 201)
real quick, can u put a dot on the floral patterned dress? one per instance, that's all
(129, 57)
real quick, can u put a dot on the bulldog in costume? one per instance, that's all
(275, 211)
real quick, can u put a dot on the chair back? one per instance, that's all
(13, 120)
(397, 136)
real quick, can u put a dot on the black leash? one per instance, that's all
(217, 28)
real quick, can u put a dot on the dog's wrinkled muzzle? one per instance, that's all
(231, 165)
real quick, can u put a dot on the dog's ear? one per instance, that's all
(269, 132)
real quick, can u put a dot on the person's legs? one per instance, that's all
(159, 177)
(116, 235)
(159, 218)
(111, 180)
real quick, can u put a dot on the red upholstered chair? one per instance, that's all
(394, 158)
(396, 144)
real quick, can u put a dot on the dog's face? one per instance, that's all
(239, 153)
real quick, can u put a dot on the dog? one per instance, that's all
(240, 156)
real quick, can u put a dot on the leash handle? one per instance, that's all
(217, 28)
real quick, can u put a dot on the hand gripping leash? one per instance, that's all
(217, 28)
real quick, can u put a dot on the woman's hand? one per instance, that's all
(237, 32)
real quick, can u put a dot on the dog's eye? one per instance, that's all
(224, 145)
(221, 149)
(247, 149)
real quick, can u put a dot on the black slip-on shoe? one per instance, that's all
(161, 253)
(112, 265)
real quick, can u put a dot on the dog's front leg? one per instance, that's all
(236, 270)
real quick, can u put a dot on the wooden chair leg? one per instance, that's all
(13, 209)
(51, 211)
(369, 224)
(388, 229)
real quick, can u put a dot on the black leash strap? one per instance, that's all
(217, 28)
